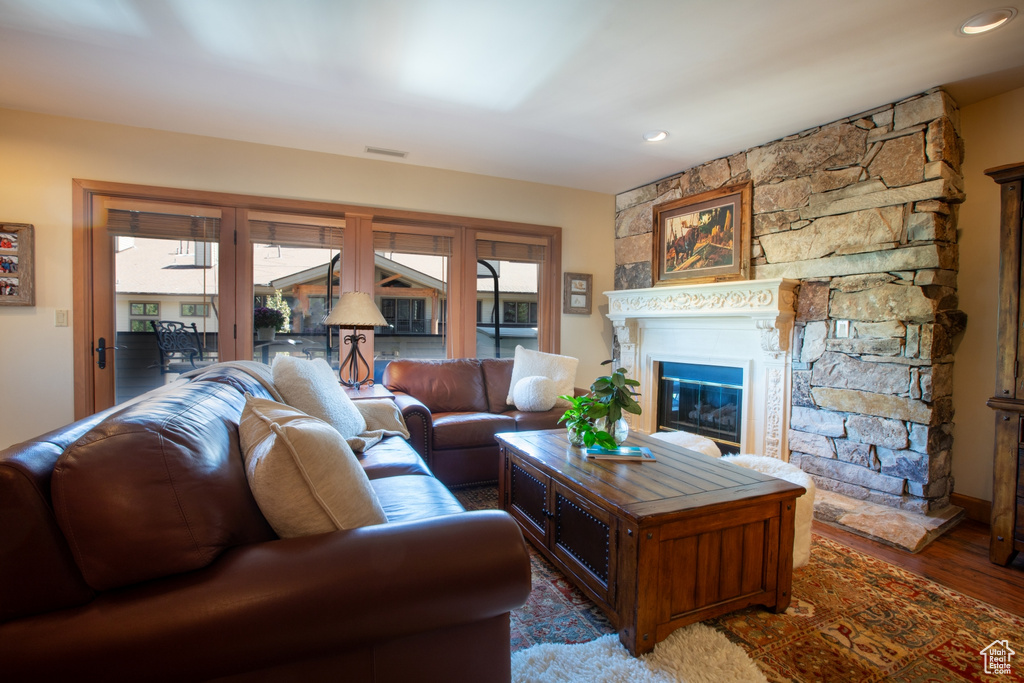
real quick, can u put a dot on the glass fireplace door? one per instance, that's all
(702, 399)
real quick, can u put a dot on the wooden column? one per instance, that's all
(1007, 526)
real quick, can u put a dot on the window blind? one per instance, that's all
(295, 234)
(510, 251)
(124, 223)
(411, 243)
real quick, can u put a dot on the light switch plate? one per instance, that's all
(60, 318)
(842, 328)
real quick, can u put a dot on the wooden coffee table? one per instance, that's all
(656, 545)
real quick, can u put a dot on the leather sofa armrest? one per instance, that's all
(420, 423)
(272, 603)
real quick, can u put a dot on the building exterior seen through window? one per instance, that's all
(150, 309)
(520, 312)
(167, 279)
(195, 310)
(180, 262)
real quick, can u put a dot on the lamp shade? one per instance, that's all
(355, 309)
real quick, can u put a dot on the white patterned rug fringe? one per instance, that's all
(693, 654)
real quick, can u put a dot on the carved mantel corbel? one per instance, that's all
(774, 338)
(625, 334)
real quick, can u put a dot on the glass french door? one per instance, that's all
(509, 295)
(297, 269)
(200, 263)
(411, 285)
(169, 296)
(158, 301)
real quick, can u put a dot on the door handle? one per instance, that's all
(101, 352)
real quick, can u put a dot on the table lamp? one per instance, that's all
(355, 310)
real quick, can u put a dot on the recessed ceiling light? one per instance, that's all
(655, 135)
(987, 21)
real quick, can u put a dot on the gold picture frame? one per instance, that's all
(704, 237)
(17, 258)
(577, 293)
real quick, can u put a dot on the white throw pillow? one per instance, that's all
(313, 387)
(535, 394)
(303, 475)
(559, 369)
(695, 442)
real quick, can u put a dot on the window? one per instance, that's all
(431, 258)
(518, 282)
(297, 269)
(195, 310)
(520, 313)
(411, 274)
(145, 308)
(150, 309)
(404, 315)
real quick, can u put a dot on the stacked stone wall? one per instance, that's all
(863, 211)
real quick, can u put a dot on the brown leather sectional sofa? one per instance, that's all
(453, 409)
(132, 550)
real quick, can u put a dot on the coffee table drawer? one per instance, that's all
(566, 525)
(528, 491)
(582, 538)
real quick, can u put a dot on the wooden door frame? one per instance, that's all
(358, 258)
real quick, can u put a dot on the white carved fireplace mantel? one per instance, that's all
(745, 323)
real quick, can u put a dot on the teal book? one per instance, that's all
(622, 453)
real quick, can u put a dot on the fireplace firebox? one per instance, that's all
(702, 399)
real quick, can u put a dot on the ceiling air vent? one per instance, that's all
(387, 152)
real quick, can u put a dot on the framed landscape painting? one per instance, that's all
(17, 283)
(704, 237)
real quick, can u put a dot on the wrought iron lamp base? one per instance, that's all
(353, 360)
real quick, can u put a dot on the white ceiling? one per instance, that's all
(551, 91)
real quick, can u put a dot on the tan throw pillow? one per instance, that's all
(313, 387)
(382, 414)
(559, 369)
(535, 394)
(303, 475)
(383, 418)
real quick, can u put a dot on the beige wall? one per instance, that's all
(994, 136)
(39, 155)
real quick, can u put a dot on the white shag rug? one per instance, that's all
(693, 654)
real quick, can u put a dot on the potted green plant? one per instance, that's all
(614, 395)
(266, 322)
(589, 416)
(277, 302)
(579, 419)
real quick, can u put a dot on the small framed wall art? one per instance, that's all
(577, 293)
(704, 237)
(17, 283)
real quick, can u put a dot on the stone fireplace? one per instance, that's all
(851, 379)
(742, 325)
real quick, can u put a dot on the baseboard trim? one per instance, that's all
(975, 509)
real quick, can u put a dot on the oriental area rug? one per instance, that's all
(853, 618)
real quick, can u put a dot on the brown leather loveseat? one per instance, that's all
(131, 549)
(453, 409)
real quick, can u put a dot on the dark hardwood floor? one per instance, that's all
(957, 560)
